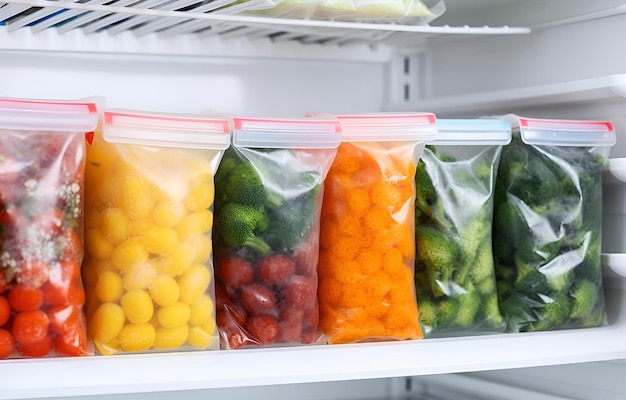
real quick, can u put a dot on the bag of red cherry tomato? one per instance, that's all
(42, 162)
(269, 189)
(148, 267)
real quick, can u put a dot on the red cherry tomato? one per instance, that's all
(275, 268)
(6, 343)
(71, 343)
(38, 348)
(64, 288)
(263, 329)
(30, 326)
(69, 326)
(258, 299)
(25, 297)
(5, 310)
(235, 272)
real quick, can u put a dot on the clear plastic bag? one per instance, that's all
(148, 268)
(269, 188)
(42, 155)
(547, 224)
(414, 12)
(367, 245)
(454, 269)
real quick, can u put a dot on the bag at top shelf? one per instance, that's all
(269, 190)
(42, 155)
(148, 213)
(547, 224)
(454, 269)
(414, 12)
(367, 244)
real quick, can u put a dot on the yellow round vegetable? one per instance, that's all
(109, 287)
(164, 290)
(137, 337)
(137, 306)
(128, 254)
(202, 337)
(201, 311)
(168, 213)
(97, 244)
(115, 225)
(171, 338)
(106, 322)
(173, 316)
(193, 283)
(159, 240)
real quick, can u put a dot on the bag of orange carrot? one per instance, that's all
(367, 244)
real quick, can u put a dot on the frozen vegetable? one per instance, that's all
(269, 188)
(548, 221)
(454, 269)
(42, 154)
(367, 244)
(149, 210)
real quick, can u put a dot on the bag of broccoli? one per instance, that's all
(547, 224)
(149, 215)
(269, 189)
(367, 242)
(454, 269)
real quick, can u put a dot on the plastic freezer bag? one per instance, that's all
(148, 268)
(454, 269)
(547, 224)
(367, 246)
(414, 12)
(42, 161)
(269, 190)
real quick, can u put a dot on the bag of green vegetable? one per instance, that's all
(269, 188)
(454, 268)
(547, 224)
(414, 12)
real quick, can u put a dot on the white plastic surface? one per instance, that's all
(271, 366)
(615, 171)
(615, 263)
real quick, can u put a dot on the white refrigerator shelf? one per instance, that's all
(134, 373)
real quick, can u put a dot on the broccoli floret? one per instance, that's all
(530, 178)
(517, 311)
(437, 255)
(483, 267)
(554, 313)
(237, 224)
(591, 268)
(584, 295)
(470, 237)
(427, 310)
(290, 223)
(246, 187)
(469, 304)
(447, 311)
(489, 313)
(559, 273)
(530, 280)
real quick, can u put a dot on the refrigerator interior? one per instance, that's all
(558, 58)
